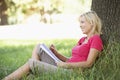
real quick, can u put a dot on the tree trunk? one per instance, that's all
(109, 12)
(3, 14)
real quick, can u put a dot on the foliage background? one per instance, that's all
(19, 10)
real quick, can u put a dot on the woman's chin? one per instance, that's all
(83, 32)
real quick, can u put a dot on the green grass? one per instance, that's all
(14, 53)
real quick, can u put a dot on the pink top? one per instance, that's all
(80, 51)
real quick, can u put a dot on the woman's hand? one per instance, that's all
(53, 49)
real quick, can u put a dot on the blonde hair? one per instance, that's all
(93, 19)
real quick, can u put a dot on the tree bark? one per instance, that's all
(109, 12)
(3, 14)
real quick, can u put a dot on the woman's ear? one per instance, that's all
(91, 25)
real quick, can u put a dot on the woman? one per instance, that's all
(84, 53)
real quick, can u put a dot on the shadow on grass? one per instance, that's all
(11, 57)
(107, 67)
(14, 53)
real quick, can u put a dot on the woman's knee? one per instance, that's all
(38, 48)
(36, 51)
(32, 64)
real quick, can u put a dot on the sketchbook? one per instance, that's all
(49, 52)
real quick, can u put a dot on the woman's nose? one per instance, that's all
(81, 26)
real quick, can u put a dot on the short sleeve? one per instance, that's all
(96, 43)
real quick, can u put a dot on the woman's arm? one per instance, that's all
(57, 54)
(88, 63)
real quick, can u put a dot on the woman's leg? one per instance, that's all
(36, 52)
(41, 67)
(23, 70)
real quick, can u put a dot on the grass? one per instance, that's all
(14, 53)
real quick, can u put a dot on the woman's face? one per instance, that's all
(86, 27)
